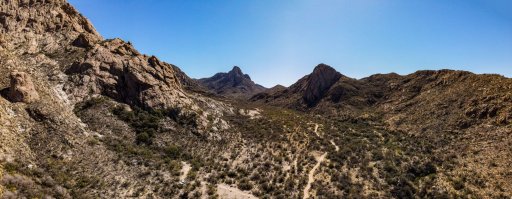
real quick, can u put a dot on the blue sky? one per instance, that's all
(279, 41)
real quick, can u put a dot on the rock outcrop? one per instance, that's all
(307, 92)
(318, 82)
(232, 84)
(85, 41)
(22, 88)
(114, 68)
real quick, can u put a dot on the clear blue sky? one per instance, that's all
(279, 41)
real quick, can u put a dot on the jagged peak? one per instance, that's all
(236, 70)
(323, 66)
(233, 83)
(319, 81)
(237, 73)
(322, 70)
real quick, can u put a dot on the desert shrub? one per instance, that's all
(143, 137)
(245, 185)
(403, 189)
(145, 123)
(89, 103)
(11, 167)
(181, 117)
(268, 187)
(422, 170)
(232, 174)
(173, 152)
(458, 184)
(25, 186)
(256, 176)
(211, 190)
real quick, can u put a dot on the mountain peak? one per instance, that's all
(233, 83)
(324, 68)
(236, 70)
(319, 81)
(237, 74)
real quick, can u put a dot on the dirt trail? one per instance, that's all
(311, 176)
(316, 129)
(227, 192)
(184, 171)
(335, 146)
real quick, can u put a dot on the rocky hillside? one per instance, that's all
(232, 84)
(460, 114)
(308, 91)
(52, 61)
(86, 117)
(460, 98)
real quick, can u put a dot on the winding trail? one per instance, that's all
(311, 176)
(184, 171)
(316, 129)
(335, 146)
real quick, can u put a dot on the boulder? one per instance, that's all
(85, 41)
(22, 88)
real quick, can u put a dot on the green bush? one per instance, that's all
(143, 138)
(181, 117)
(173, 152)
(145, 123)
(245, 185)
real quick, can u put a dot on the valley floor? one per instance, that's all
(271, 153)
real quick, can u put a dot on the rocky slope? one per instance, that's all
(458, 113)
(52, 61)
(308, 91)
(232, 84)
(460, 98)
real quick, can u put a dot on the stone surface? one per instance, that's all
(22, 88)
(85, 41)
(114, 68)
(318, 82)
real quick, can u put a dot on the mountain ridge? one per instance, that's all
(232, 84)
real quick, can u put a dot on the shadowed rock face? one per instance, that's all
(232, 84)
(114, 68)
(318, 82)
(307, 92)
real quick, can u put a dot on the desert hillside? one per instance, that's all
(82, 116)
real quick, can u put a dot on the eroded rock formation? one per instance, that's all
(318, 82)
(22, 88)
